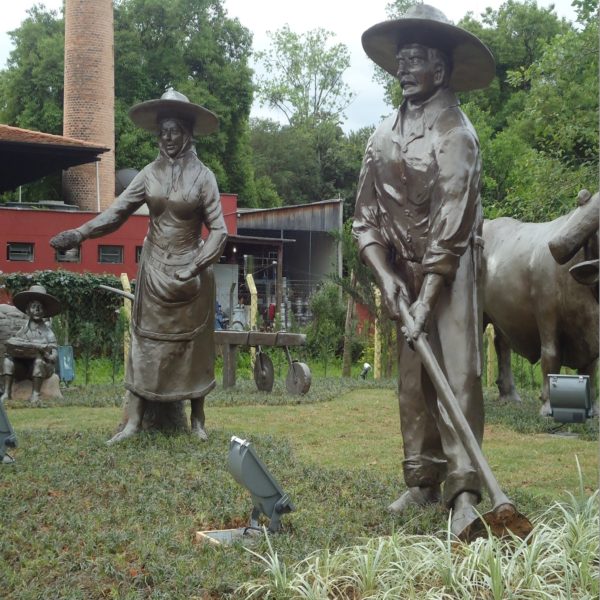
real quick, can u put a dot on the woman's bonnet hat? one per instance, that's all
(175, 105)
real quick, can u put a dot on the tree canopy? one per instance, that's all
(537, 123)
(304, 76)
(191, 45)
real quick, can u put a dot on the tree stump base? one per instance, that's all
(165, 416)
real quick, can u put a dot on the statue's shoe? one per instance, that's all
(465, 519)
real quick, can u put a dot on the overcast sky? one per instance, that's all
(347, 23)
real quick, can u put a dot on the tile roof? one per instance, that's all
(27, 136)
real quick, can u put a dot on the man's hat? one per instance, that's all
(174, 105)
(473, 65)
(37, 292)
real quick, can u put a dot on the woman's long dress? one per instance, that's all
(172, 344)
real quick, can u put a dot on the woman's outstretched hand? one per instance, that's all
(65, 240)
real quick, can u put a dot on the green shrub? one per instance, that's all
(83, 302)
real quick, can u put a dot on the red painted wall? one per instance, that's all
(38, 226)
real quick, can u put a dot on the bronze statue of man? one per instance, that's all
(172, 348)
(32, 352)
(418, 223)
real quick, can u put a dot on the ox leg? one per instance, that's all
(505, 382)
(549, 363)
(592, 371)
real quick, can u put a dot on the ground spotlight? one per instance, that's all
(267, 496)
(570, 398)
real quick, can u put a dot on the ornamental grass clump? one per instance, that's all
(558, 561)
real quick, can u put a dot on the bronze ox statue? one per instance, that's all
(540, 291)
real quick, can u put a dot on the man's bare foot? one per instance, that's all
(127, 432)
(199, 431)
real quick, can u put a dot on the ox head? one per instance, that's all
(580, 231)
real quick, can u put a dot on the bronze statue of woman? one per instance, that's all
(172, 347)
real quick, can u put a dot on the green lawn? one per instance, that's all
(83, 520)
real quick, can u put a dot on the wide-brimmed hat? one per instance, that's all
(37, 292)
(174, 105)
(473, 65)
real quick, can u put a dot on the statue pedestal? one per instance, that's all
(50, 389)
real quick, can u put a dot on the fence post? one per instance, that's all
(491, 355)
(127, 310)
(377, 337)
(253, 311)
(347, 356)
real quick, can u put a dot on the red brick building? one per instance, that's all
(89, 100)
(25, 235)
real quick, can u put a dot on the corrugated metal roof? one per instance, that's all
(325, 215)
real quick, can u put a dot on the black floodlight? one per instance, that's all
(8, 439)
(267, 496)
(570, 398)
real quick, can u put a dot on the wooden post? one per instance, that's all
(127, 309)
(229, 365)
(491, 355)
(279, 285)
(253, 311)
(377, 338)
(347, 356)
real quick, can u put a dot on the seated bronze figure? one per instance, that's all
(32, 352)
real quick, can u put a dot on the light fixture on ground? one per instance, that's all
(570, 398)
(267, 496)
(8, 439)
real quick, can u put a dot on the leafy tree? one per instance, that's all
(191, 45)
(517, 34)
(31, 88)
(266, 193)
(306, 164)
(325, 335)
(560, 112)
(304, 76)
(287, 157)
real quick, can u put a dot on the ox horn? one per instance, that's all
(580, 225)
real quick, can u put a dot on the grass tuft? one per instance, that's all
(558, 561)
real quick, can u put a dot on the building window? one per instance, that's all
(110, 254)
(19, 251)
(70, 256)
(138, 253)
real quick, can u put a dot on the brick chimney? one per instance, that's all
(89, 100)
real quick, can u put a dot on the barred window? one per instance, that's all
(22, 251)
(110, 254)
